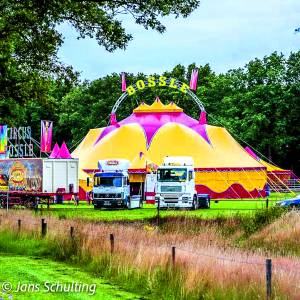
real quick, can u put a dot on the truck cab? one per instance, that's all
(175, 186)
(111, 185)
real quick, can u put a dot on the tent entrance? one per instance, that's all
(137, 188)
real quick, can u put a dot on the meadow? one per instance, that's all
(22, 272)
(220, 208)
(216, 258)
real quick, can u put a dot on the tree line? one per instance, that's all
(259, 104)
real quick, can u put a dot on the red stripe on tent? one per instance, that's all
(229, 169)
(286, 172)
(89, 171)
(139, 171)
(235, 191)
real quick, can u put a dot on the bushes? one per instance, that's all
(253, 223)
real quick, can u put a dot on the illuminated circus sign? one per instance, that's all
(151, 82)
(161, 81)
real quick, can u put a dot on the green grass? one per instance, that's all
(160, 283)
(221, 209)
(37, 271)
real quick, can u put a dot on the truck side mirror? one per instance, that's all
(88, 181)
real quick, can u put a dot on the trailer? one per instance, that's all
(27, 181)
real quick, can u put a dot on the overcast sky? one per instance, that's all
(224, 33)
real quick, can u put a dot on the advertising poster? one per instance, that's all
(22, 174)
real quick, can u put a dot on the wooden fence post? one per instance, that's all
(44, 228)
(112, 243)
(269, 278)
(173, 255)
(72, 232)
(158, 212)
(19, 225)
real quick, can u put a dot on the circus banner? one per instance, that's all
(194, 80)
(123, 82)
(3, 139)
(46, 136)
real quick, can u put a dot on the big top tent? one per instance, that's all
(223, 167)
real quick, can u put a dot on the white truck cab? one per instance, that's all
(111, 185)
(175, 186)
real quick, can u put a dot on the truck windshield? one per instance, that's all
(108, 181)
(178, 174)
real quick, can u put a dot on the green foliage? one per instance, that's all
(261, 218)
(32, 78)
(259, 104)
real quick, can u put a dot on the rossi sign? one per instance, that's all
(19, 142)
(161, 81)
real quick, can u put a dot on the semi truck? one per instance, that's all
(27, 181)
(111, 188)
(175, 185)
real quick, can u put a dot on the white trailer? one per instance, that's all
(175, 185)
(60, 174)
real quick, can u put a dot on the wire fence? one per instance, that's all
(272, 266)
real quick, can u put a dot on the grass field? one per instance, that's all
(37, 271)
(222, 208)
(210, 263)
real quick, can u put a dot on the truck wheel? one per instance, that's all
(128, 203)
(195, 203)
(207, 203)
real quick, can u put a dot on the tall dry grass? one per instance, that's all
(281, 236)
(204, 262)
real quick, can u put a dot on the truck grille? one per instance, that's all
(170, 196)
(166, 189)
(171, 200)
(107, 196)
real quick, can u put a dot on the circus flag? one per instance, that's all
(123, 82)
(3, 139)
(46, 136)
(194, 80)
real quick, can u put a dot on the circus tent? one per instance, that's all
(277, 177)
(224, 169)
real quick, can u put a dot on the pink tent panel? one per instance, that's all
(64, 151)
(55, 152)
